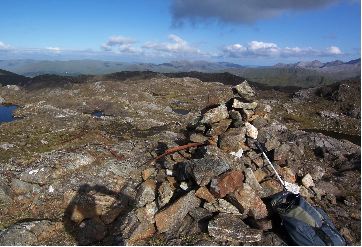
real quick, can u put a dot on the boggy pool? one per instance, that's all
(6, 113)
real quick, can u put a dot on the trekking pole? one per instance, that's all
(267, 159)
(286, 186)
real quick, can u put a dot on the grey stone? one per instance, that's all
(197, 137)
(229, 227)
(200, 213)
(165, 192)
(170, 217)
(237, 104)
(219, 127)
(25, 233)
(237, 119)
(19, 187)
(4, 193)
(307, 181)
(251, 131)
(233, 140)
(146, 193)
(251, 180)
(203, 170)
(215, 115)
(222, 206)
(245, 91)
(272, 143)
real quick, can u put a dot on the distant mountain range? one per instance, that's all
(301, 74)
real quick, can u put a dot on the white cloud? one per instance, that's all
(4, 46)
(120, 44)
(176, 46)
(54, 49)
(266, 49)
(334, 50)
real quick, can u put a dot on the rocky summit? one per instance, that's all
(171, 161)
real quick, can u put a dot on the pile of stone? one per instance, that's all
(218, 188)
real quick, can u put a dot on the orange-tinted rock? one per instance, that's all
(204, 193)
(227, 183)
(250, 202)
(143, 231)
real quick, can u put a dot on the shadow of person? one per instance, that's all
(89, 215)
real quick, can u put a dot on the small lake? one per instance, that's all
(339, 136)
(180, 111)
(97, 114)
(6, 113)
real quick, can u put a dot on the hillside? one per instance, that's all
(7, 78)
(301, 74)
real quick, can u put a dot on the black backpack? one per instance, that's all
(305, 224)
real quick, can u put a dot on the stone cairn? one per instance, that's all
(218, 189)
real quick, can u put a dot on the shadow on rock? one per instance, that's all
(90, 215)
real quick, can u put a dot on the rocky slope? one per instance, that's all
(83, 164)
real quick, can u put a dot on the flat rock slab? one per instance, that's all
(203, 170)
(173, 215)
(229, 227)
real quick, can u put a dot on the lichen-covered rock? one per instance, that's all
(228, 227)
(204, 193)
(215, 115)
(222, 206)
(200, 214)
(250, 202)
(251, 180)
(165, 192)
(203, 170)
(146, 193)
(307, 181)
(226, 183)
(4, 194)
(251, 131)
(232, 140)
(173, 215)
(245, 91)
(218, 128)
(237, 119)
(27, 233)
(237, 104)
(147, 173)
(147, 213)
(197, 137)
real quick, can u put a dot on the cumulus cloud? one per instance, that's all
(4, 46)
(177, 45)
(266, 49)
(238, 11)
(334, 50)
(120, 44)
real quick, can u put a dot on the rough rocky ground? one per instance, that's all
(67, 177)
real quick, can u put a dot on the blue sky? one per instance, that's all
(256, 32)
